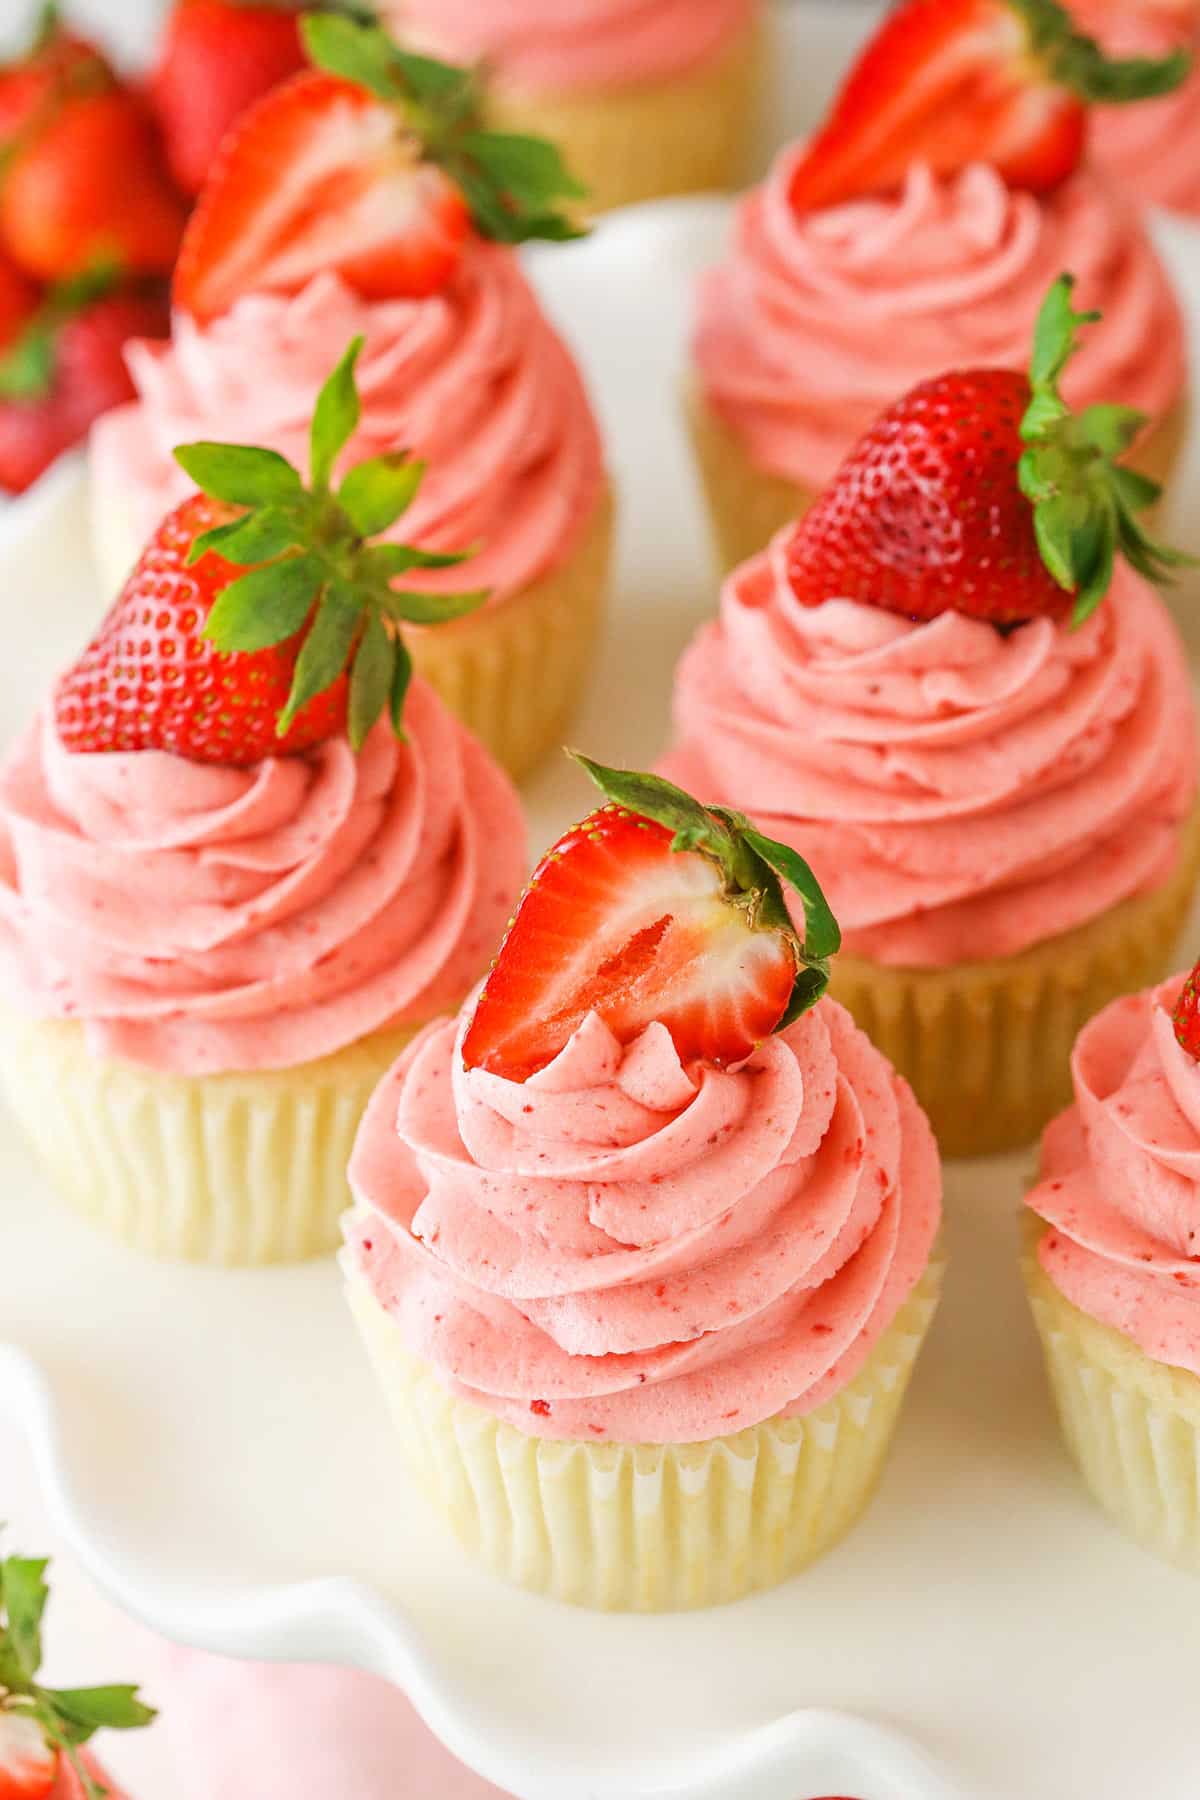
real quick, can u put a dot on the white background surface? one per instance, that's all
(983, 1608)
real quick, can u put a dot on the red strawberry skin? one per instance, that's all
(28, 1769)
(31, 86)
(91, 185)
(1187, 1015)
(150, 680)
(18, 302)
(217, 58)
(320, 175)
(90, 377)
(946, 82)
(615, 921)
(927, 516)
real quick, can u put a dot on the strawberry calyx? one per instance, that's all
(512, 184)
(67, 1718)
(1077, 62)
(311, 563)
(754, 868)
(28, 366)
(1084, 500)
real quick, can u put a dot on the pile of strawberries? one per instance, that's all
(97, 179)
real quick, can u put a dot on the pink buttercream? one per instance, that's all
(1120, 1180)
(1152, 147)
(624, 1248)
(961, 793)
(199, 919)
(474, 380)
(548, 46)
(814, 325)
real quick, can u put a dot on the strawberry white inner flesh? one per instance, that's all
(28, 1768)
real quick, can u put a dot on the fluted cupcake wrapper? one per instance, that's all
(234, 1169)
(685, 135)
(649, 1528)
(1132, 1425)
(748, 505)
(515, 672)
(987, 1046)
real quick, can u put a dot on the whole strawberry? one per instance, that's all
(56, 64)
(372, 164)
(89, 185)
(66, 366)
(217, 57)
(654, 910)
(224, 667)
(1186, 1017)
(981, 493)
(43, 1729)
(953, 82)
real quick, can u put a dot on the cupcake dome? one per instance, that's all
(815, 322)
(1112, 1269)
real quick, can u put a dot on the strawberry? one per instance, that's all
(954, 82)
(654, 909)
(217, 58)
(42, 1729)
(18, 303)
(66, 367)
(980, 493)
(90, 185)
(229, 669)
(370, 165)
(1186, 1017)
(56, 64)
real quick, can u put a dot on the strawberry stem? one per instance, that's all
(1084, 500)
(1077, 61)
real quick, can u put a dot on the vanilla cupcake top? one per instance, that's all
(646, 1189)
(1119, 1186)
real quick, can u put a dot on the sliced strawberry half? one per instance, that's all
(28, 1767)
(321, 175)
(954, 82)
(654, 909)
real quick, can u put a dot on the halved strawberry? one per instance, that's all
(653, 909)
(320, 175)
(372, 165)
(28, 1766)
(954, 82)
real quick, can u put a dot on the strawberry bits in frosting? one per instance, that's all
(624, 1248)
(198, 919)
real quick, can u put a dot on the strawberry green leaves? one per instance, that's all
(514, 186)
(66, 1717)
(755, 868)
(310, 562)
(1084, 501)
(1077, 61)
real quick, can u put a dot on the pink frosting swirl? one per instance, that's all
(544, 45)
(814, 325)
(626, 1248)
(474, 380)
(961, 793)
(199, 919)
(1120, 1180)
(1152, 147)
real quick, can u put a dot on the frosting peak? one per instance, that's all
(625, 1248)
(199, 919)
(1120, 1180)
(814, 324)
(960, 793)
(473, 380)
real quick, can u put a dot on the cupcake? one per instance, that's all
(1112, 1264)
(44, 1731)
(461, 367)
(647, 97)
(977, 722)
(230, 890)
(643, 1247)
(917, 233)
(1153, 150)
